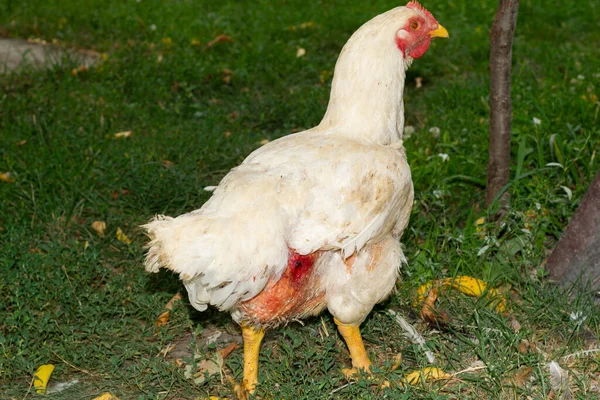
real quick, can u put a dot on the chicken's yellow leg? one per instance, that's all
(358, 354)
(252, 338)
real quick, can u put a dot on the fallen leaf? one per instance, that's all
(205, 369)
(522, 376)
(324, 76)
(167, 163)
(22, 143)
(170, 303)
(428, 311)
(480, 228)
(302, 26)
(121, 237)
(263, 142)
(419, 82)
(106, 396)
(300, 52)
(6, 177)
(219, 39)
(232, 116)
(465, 284)
(524, 346)
(397, 362)
(41, 377)
(164, 317)
(124, 134)
(99, 227)
(429, 373)
(80, 69)
(514, 324)
(227, 134)
(227, 350)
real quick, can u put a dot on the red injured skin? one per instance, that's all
(296, 294)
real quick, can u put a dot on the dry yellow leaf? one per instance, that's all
(170, 303)
(523, 376)
(6, 177)
(428, 374)
(106, 396)
(122, 237)
(206, 368)
(263, 142)
(124, 134)
(219, 39)
(99, 227)
(41, 377)
(164, 317)
(301, 52)
(465, 284)
(480, 229)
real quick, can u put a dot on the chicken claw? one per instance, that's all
(252, 339)
(358, 354)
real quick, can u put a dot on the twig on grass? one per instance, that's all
(74, 293)
(85, 371)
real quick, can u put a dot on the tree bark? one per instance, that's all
(501, 41)
(576, 258)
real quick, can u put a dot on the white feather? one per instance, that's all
(559, 381)
(411, 334)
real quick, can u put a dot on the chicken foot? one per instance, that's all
(358, 354)
(252, 339)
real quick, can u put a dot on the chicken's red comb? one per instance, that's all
(418, 6)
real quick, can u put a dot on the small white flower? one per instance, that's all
(408, 130)
(438, 193)
(152, 27)
(435, 132)
(578, 317)
(444, 156)
(537, 121)
(581, 77)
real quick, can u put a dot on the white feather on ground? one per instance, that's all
(559, 381)
(411, 334)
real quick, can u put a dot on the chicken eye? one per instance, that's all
(415, 25)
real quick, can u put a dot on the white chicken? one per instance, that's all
(311, 220)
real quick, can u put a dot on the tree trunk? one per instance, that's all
(576, 258)
(501, 41)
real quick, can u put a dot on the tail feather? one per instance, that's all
(221, 261)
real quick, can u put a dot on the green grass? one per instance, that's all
(84, 303)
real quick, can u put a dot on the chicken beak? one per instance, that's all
(440, 32)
